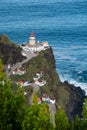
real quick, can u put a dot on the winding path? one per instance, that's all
(29, 56)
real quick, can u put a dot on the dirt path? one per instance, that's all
(52, 110)
(29, 56)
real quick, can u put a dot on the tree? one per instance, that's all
(61, 120)
(77, 124)
(37, 118)
(72, 125)
(84, 112)
(2, 74)
(12, 106)
(84, 115)
(15, 114)
(34, 97)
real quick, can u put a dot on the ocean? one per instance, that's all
(63, 23)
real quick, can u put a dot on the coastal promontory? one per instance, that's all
(40, 71)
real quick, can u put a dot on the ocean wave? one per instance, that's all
(74, 82)
(70, 47)
(66, 58)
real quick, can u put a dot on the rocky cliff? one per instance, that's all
(66, 95)
(69, 97)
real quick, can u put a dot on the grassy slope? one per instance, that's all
(45, 61)
(9, 51)
(65, 94)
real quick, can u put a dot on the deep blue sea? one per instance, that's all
(63, 23)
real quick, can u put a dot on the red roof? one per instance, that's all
(22, 69)
(32, 34)
(38, 99)
(20, 81)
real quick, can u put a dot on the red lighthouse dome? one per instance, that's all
(32, 34)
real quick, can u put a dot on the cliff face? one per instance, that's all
(9, 52)
(66, 95)
(75, 96)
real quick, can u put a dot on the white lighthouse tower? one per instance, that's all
(32, 40)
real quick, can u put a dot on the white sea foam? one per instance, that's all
(80, 72)
(66, 58)
(74, 82)
(78, 47)
(70, 47)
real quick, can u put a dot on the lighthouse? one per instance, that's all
(32, 40)
(33, 45)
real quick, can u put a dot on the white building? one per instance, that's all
(47, 99)
(19, 71)
(35, 78)
(45, 44)
(40, 83)
(35, 46)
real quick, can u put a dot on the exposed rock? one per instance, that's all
(76, 98)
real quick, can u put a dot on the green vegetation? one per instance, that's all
(12, 107)
(61, 120)
(84, 114)
(2, 74)
(9, 51)
(15, 110)
(37, 118)
(65, 94)
(16, 114)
